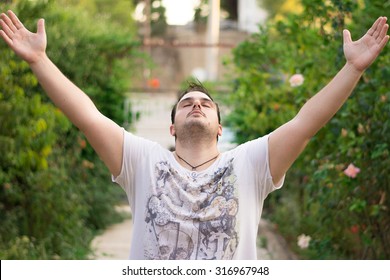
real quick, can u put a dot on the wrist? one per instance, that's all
(38, 60)
(350, 67)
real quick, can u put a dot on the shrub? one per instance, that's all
(345, 217)
(55, 193)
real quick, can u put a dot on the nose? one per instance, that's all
(197, 103)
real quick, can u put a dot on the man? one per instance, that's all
(195, 203)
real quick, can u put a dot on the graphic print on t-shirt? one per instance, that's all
(192, 216)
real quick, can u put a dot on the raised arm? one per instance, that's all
(289, 140)
(103, 134)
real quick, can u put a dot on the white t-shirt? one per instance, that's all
(184, 214)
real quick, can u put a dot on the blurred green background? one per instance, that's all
(56, 195)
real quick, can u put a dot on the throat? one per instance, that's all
(195, 167)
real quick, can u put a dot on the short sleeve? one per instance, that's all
(257, 155)
(134, 150)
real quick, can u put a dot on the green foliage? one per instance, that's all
(158, 19)
(272, 6)
(37, 211)
(345, 217)
(55, 193)
(117, 13)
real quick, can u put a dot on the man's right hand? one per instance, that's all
(27, 45)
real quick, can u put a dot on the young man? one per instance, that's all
(195, 203)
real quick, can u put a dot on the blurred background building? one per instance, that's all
(192, 38)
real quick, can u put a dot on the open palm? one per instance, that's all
(362, 53)
(29, 46)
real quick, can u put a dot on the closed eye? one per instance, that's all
(188, 102)
(207, 104)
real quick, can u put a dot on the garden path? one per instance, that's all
(114, 243)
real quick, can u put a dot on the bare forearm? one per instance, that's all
(324, 105)
(72, 101)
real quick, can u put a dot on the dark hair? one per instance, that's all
(193, 86)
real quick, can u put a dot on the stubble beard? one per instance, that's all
(195, 131)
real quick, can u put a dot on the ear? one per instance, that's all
(172, 130)
(219, 130)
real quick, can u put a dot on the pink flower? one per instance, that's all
(296, 80)
(303, 241)
(344, 132)
(351, 171)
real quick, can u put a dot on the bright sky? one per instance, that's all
(179, 12)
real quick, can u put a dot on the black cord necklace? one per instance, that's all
(195, 167)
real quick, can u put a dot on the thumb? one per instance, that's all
(41, 27)
(347, 36)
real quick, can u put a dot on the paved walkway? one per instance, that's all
(114, 243)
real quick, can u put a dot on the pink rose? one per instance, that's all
(296, 80)
(303, 241)
(351, 171)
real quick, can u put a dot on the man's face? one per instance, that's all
(196, 109)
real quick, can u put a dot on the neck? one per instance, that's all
(196, 155)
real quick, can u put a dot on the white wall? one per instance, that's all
(250, 15)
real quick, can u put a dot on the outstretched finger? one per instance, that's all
(5, 28)
(383, 32)
(383, 42)
(5, 38)
(15, 20)
(379, 28)
(374, 27)
(9, 23)
(347, 36)
(379, 32)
